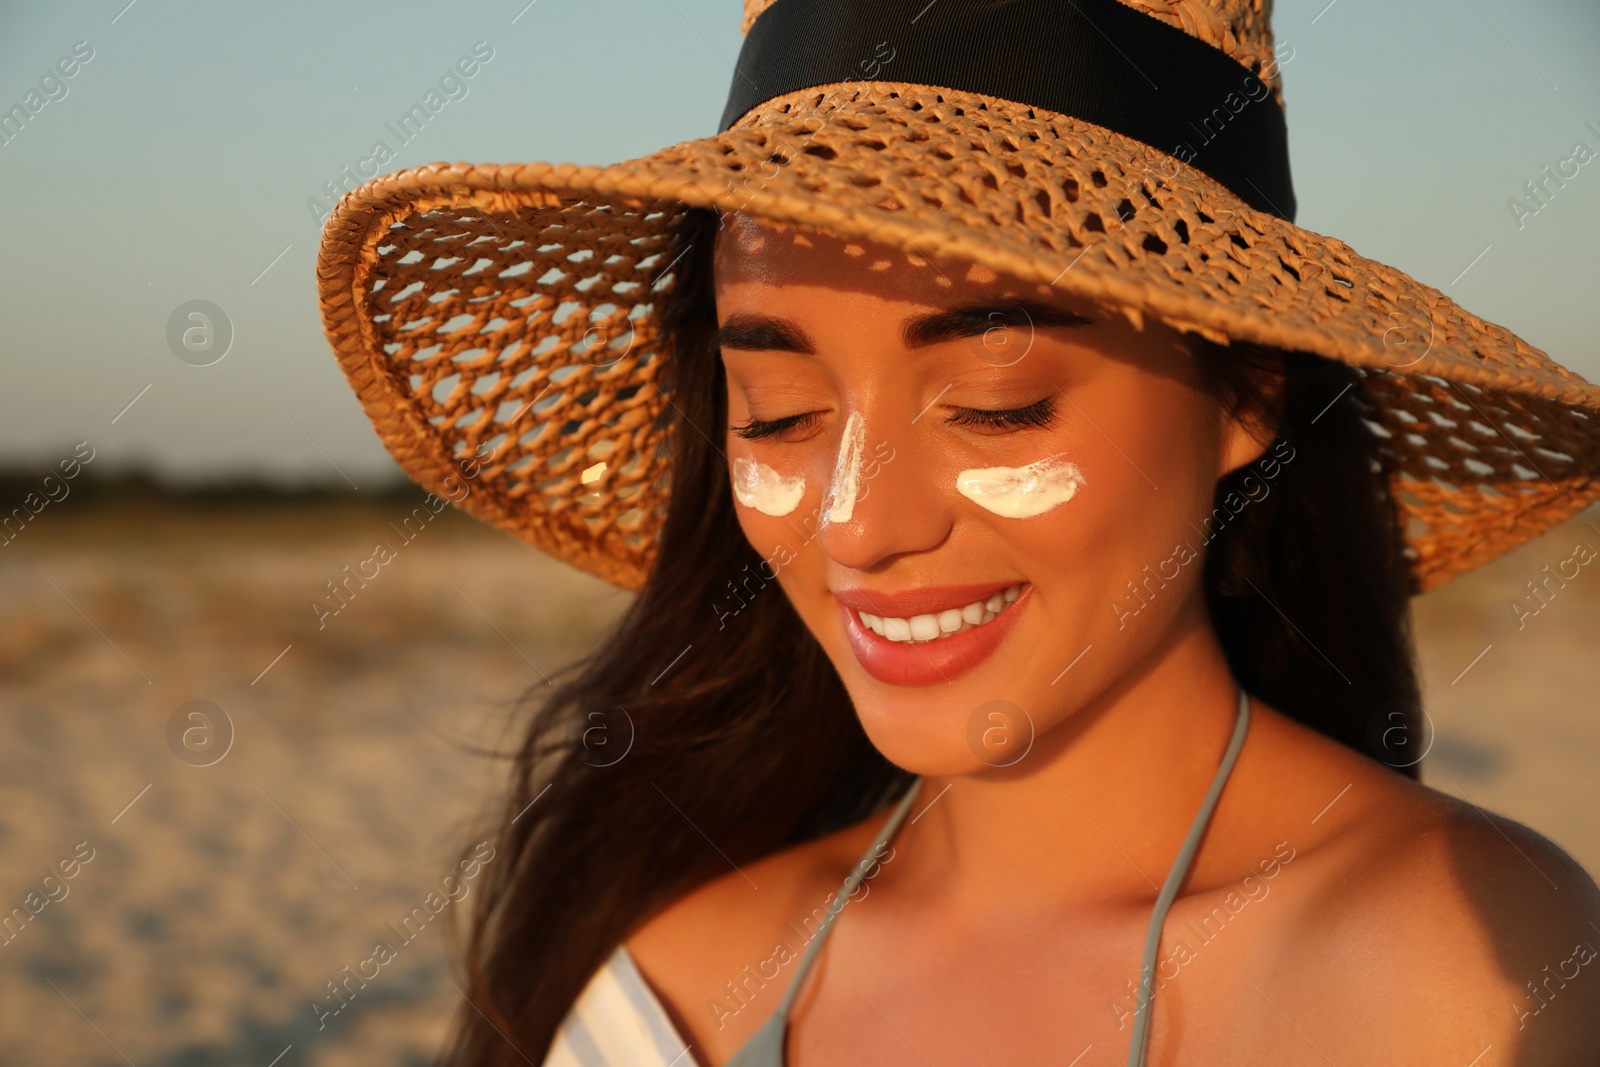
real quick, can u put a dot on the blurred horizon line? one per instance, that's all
(147, 481)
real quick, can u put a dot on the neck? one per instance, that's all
(1097, 809)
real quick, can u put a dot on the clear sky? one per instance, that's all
(178, 163)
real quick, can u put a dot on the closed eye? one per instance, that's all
(1039, 413)
(756, 428)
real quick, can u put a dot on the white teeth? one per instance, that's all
(947, 622)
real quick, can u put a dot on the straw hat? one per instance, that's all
(498, 320)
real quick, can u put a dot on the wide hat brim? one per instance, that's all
(498, 321)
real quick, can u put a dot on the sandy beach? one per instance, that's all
(225, 889)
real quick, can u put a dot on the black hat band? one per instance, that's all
(1096, 60)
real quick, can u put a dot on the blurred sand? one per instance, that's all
(219, 904)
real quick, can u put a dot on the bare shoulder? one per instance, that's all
(715, 956)
(1451, 927)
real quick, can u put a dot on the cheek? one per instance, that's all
(791, 558)
(1130, 549)
(766, 533)
(1121, 524)
(1176, 438)
(777, 506)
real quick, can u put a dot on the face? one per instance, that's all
(984, 498)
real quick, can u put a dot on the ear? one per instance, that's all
(1252, 422)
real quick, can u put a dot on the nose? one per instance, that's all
(896, 505)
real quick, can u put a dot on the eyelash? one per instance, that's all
(756, 428)
(1038, 414)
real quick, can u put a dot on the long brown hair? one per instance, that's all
(744, 739)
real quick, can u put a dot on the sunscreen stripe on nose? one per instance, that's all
(847, 470)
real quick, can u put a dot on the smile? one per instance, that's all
(929, 636)
(951, 621)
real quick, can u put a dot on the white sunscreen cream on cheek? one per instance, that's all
(756, 485)
(1022, 492)
(847, 470)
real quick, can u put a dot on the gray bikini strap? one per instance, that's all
(764, 1048)
(1180, 868)
(858, 874)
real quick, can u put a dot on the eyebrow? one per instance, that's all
(769, 333)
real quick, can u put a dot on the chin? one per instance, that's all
(952, 705)
(914, 750)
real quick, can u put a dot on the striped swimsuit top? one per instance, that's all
(617, 1021)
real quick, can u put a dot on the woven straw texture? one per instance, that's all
(507, 311)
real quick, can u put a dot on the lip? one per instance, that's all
(926, 662)
(929, 600)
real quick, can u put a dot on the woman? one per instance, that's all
(1023, 518)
